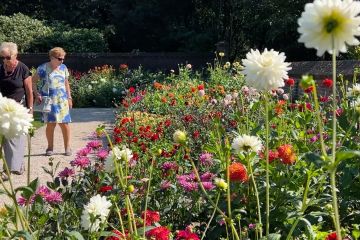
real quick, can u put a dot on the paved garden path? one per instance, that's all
(84, 123)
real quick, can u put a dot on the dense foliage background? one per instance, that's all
(156, 25)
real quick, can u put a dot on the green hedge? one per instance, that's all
(33, 35)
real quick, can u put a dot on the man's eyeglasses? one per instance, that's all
(60, 59)
(7, 57)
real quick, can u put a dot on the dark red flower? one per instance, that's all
(186, 235)
(151, 217)
(105, 189)
(290, 82)
(131, 89)
(327, 82)
(200, 87)
(339, 112)
(309, 89)
(331, 236)
(196, 134)
(118, 237)
(324, 99)
(158, 233)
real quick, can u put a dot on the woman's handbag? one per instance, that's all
(44, 106)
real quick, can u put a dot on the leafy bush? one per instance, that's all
(22, 30)
(71, 39)
(33, 35)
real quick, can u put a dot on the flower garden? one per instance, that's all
(230, 153)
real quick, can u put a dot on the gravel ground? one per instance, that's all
(84, 123)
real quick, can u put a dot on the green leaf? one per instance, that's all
(22, 234)
(308, 227)
(26, 192)
(74, 234)
(273, 236)
(344, 155)
(356, 234)
(315, 159)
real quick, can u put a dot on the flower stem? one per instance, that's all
(318, 116)
(211, 218)
(230, 221)
(267, 167)
(148, 192)
(257, 196)
(333, 153)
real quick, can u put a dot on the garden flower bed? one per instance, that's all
(227, 156)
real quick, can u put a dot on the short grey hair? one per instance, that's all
(9, 46)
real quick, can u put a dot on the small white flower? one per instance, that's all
(285, 96)
(279, 91)
(114, 90)
(356, 105)
(324, 20)
(188, 66)
(354, 91)
(213, 101)
(228, 97)
(90, 87)
(116, 154)
(103, 80)
(246, 143)
(201, 93)
(235, 95)
(95, 213)
(94, 82)
(265, 71)
(227, 65)
(15, 119)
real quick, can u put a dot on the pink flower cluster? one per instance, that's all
(49, 196)
(189, 183)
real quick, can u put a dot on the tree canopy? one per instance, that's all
(169, 25)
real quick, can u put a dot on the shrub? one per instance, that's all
(33, 35)
(22, 30)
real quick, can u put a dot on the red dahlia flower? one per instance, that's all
(158, 233)
(327, 82)
(238, 172)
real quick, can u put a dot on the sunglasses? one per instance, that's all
(7, 57)
(60, 59)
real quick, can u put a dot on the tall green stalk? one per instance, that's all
(267, 167)
(256, 195)
(333, 152)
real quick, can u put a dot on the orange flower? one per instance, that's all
(287, 154)
(158, 86)
(238, 172)
(164, 99)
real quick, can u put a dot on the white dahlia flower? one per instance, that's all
(265, 71)
(356, 105)
(95, 213)
(115, 155)
(324, 20)
(354, 91)
(15, 119)
(246, 143)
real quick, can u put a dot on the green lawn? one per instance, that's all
(37, 120)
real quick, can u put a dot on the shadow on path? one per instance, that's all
(92, 114)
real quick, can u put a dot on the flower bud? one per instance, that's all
(179, 136)
(131, 188)
(306, 81)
